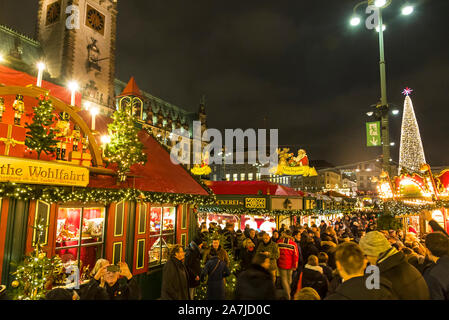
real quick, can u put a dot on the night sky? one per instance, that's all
(297, 63)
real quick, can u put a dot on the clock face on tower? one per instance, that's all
(95, 20)
(53, 12)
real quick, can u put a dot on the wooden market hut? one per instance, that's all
(134, 221)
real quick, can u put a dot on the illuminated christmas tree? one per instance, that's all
(125, 148)
(41, 136)
(411, 155)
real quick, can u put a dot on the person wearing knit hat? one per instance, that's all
(407, 281)
(373, 244)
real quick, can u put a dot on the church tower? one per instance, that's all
(78, 39)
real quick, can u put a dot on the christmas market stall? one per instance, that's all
(97, 186)
(262, 205)
(407, 195)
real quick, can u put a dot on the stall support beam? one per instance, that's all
(15, 239)
(129, 254)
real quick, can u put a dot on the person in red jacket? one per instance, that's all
(288, 260)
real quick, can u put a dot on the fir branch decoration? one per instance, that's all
(41, 136)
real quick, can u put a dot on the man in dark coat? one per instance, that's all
(309, 248)
(437, 277)
(247, 254)
(297, 272)
(253, 237)
(256, 282)
(174, 277)
(107, 285)
(230, 238)
(351, 265)
(407, 281)
(323, 227)
(192, 262)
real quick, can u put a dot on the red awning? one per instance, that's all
(11, 77)
(251, 187)
(159, 174)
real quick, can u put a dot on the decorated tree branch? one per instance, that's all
(36, 275)
(125, 148)
(41, 136)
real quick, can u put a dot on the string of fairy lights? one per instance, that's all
(57, 194)
(274, 212)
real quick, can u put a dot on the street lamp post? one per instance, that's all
(384, 103)
(383, 106)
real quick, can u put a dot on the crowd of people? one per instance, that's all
(106, 282)
(335, 260)
(343, 259)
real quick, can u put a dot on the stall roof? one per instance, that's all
(159, 174)
(251, 187)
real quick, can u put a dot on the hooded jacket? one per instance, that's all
(407, 281)
(255, 283)
(288, 253)
(356, 289)
(313, 277)
(437, 279)
(174, 281)
(192, 261)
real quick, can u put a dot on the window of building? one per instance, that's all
(80, 235)
(214, 177)
(235, 177)
(162, 233)
(250, 176)
(258, 176)
(242, 177)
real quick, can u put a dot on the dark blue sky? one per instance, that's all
(297, 63)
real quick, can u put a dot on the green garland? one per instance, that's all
(398, 208)
(56, 194)
(266, 212)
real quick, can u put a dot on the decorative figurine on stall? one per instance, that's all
(63, 126)
(19, 109)
(76, 136)
(85, 142)
(2, 108)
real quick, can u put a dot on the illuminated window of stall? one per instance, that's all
(162, 233)
(80, 236)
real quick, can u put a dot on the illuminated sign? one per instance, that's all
(230, 202)
(42, 172)
(255, 203)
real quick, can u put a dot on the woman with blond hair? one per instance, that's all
(307, 293)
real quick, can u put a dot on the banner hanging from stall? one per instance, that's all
(42, 172)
